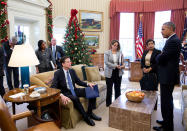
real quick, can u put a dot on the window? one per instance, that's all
(126, 37)
(160, 18)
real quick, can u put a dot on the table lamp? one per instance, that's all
(23, 56)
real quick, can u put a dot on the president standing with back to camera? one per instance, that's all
(168, 73)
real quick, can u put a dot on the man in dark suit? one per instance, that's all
(168, 72)
(8, 48)
(2, 90)
(57, 52)
(65, 80)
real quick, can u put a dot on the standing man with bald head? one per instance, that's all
(57, 52)
(168, 73)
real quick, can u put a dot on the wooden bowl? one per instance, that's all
(135, 96)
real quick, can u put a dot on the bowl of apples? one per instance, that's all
(135, 96)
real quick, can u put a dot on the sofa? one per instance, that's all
(70, 116)
(184, 106)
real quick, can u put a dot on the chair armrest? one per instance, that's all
(38, 82)
(22, 115)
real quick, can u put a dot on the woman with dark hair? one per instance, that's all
(45, 58)
(113, 60)
(149, 80)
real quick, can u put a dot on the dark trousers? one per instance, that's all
(116, 80)
(80, 92)
(2, 89)
(9, 71)
(166, 91)
(59, 65)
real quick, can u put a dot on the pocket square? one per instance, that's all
(92, 92)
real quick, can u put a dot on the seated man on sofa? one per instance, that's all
(65, 79)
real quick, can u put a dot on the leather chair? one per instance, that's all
(7, 120)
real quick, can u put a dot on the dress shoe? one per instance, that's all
(93, 116)
(157, 128)
(89, 121)
(160, 122)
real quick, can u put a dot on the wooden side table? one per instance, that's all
(52, 95)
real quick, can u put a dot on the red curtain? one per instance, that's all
(178, 18)
(161, 5)
(148, 22)
(114, 26)
(145, 6)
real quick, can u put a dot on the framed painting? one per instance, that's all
(91, 20)
(92, 40)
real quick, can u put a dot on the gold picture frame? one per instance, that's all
(92, 40)
(91, 20)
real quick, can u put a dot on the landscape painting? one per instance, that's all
(92, 40)
(91, 20)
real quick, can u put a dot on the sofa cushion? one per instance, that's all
(84, 72)
(78, 70)
(92, 73)
(45, 75)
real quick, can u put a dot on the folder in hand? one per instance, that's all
(92, 92)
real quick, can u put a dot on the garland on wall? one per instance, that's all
(49, 22)
(3, 21)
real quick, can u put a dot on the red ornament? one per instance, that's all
(6, 38)
(7, 21)
(72, 51)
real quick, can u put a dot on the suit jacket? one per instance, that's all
(168, 61)
(59, 81)
(1, 61)
(8, 52)
(109, 63)
(58, 50)
(153, 63)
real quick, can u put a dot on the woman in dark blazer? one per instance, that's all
(45, 58)
(149, 80)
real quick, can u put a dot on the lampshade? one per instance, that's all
(23, 55)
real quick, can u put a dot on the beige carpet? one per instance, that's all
(103, 111)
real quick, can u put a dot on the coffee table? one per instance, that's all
(51, 96)
(131, 116)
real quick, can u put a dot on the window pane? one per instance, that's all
(127, 35)
(160, 18)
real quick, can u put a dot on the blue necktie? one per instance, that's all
(70, 84)
(54, 52)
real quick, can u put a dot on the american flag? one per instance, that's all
(139, 41)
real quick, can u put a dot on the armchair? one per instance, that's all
(7, 120)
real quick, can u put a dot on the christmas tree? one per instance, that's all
(3, 21)
(74, 44)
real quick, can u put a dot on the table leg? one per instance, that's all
(39, 109)
(13, 108)
(60, 115)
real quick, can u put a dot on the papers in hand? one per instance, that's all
(53, 66)
(17, 95)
